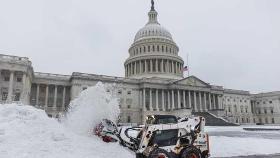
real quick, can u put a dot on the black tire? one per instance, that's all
(191, 152)
(159, 153)
(140, 156)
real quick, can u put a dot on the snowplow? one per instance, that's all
(162, 136)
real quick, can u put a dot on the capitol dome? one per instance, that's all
(154, 52)
(153, 30)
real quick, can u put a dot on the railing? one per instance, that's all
(4, 57)
(41, 74)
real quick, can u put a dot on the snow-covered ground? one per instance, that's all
(234, 141)
(27, 132)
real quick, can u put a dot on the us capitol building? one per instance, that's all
(153, 84)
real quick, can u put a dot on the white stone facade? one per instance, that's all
(153, 84)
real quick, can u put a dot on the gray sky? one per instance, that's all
(232, 43)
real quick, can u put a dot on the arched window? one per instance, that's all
(166, 49)
(153, 48)
(158, 48)
(162, 48)
(144, 49)
(140, 50)
(149, 48)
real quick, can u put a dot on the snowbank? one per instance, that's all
(26, 132)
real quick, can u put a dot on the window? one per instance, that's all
(17, 96)
(236, 121)
(264, 102)
(19, 79)
(6, 78)
(266, 120)
(247, 120)
(128, 106)
(107, 90)
(270, 102)
(242, 120)
(254, 120)
(229, 109)
(265, 111)
(4, 96)
(84, 88)
(128, 92)
(259, 111)
(271, 111)
(272, 120)
(120, 92)
(128, 119)
(246, 109)
(258, 103)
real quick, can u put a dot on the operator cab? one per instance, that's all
(161, 119)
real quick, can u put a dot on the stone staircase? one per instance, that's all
(212, 120)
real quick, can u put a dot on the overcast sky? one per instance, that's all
(232, 43)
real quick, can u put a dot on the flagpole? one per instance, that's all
(188, 65)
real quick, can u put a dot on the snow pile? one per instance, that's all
(93, 105)
(27, 132)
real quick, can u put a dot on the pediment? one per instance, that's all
(193, 81)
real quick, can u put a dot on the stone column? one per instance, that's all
(63, 96)
(179, 99)
(151, 65)
(146, 66)
(166, 66)
(55, 96)
(156, 65)
(23, 97)
(151, 100)
(140, 66)
(173, 101)
(210, 104)
(184, 99)
(47, 96)
(168, 100)
(162, 100)
(219, 102)
(157, 100)
(37, 94)
(214, 99)
(11, 88)
(205, 104)
(135, 67)
(195, 103)
(144, 99)
(200, 101)
(162, 65)
(190, 101)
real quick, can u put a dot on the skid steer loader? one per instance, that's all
(162, 136)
